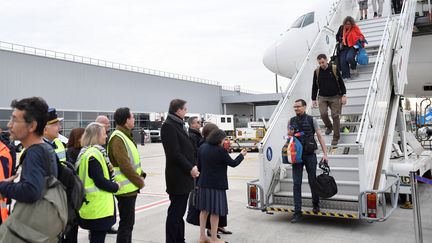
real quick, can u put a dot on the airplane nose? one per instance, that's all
(270, 59)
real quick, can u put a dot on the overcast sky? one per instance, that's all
(219, 40)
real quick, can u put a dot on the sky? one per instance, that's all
(222, 40)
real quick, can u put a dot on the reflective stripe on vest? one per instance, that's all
(134, 160)
(60, 150)
(99, 203)
(4, 152)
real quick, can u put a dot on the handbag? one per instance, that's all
(362, 56)
(325, 185)
(43, 220)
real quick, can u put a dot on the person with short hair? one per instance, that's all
(97, 213)
(27, 123)
(124, 156)
(194, 130)
(213, 160)
(51, 133)
(308, 126)
(328, 85)
(180, 169)
(102, 119)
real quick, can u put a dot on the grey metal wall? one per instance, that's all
(84, 87)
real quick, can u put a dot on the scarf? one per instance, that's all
(104, 153)
(179, 121)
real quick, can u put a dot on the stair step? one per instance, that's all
(356, 93)
(324, 212)
(359, 84)
(377, 25)
(369, 21)
(343, 123)
(348, 109)
(347, 160)
(308, 195)
(339, 173)
(350, 188)
(344, 138)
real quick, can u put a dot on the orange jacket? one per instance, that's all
(4, 152)
(352, 35)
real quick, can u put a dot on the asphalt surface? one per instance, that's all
(255, 226)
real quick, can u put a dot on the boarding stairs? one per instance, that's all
(359, 161)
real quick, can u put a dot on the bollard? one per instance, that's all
(415, 200)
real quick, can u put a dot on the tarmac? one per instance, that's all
(255, 226)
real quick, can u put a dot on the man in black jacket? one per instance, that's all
(332, 94)
(180, 168)
(194, 130)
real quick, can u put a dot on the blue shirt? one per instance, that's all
(32, 183)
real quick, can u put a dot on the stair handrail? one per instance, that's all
(404, 36)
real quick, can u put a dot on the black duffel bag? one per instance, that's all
(325, 185)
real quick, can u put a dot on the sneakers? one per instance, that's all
(297, 218)
(354, 73)
(316, 209)
(328, 131)
(361, 18)
(334, 141)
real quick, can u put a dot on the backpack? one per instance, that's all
(74, 191)
(292, 151)
(325, 185)
(334, 71)
(43, 220)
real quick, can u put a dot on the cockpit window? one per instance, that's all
(304, 20)
(309, 19)
(298, 22)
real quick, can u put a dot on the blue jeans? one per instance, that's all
(310, 162)
(347, 59)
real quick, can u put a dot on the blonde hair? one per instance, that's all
(92, 133)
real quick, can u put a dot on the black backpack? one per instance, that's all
(74, 191)
(325, 185)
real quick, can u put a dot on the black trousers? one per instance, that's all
(175, 226)
(97, 236)
(126, 207)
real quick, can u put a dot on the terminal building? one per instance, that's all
(82, 88)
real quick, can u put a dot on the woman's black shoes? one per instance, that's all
(209, 234)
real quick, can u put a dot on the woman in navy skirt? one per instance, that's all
(213, 160)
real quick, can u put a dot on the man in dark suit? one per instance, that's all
(180, 168)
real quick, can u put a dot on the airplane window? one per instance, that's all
(298, 22)
(309, 19)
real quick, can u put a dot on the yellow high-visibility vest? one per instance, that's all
(99, 203)
(126, 185)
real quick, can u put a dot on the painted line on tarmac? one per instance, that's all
(151, 205)
(242, 177)
(153, 194)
